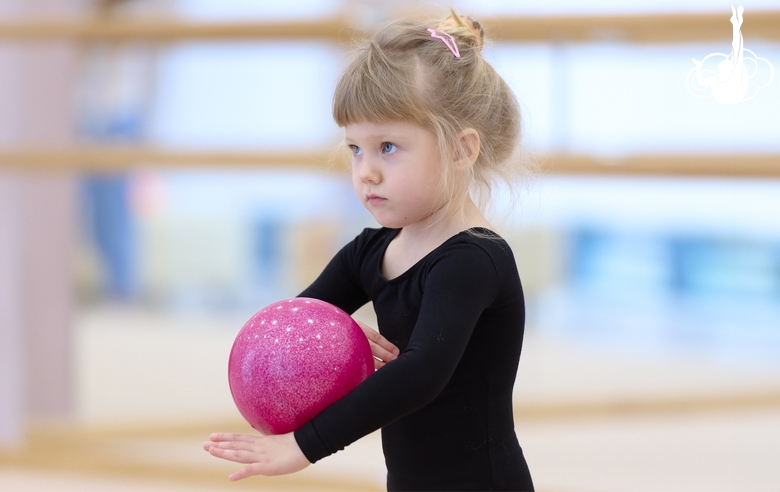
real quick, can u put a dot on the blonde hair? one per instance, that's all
(401, 73)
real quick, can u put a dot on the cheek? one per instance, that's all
(432, 175)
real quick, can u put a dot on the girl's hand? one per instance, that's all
(264, 455)
(381, 348)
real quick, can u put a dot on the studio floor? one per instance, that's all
(151, 387)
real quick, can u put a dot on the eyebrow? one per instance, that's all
(383, 137)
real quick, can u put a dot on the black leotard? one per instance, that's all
(445, 404)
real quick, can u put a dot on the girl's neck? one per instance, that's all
(442, 225)
(415, 241)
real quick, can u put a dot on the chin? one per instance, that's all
(390, 223)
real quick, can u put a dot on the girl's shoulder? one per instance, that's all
(475, 241)
(485, 237)
(466, 244)
(370, 242)
(480, 253)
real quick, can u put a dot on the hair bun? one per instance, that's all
(476, 27)
(464, 28)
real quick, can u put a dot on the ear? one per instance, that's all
(470, 143)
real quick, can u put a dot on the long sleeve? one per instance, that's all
(339, 283)
(459, 285)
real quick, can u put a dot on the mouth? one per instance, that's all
(374, 198)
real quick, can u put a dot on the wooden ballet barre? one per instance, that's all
(702, 165)
(113, 159)
(116, 159)
(173, 30)
(651, 28)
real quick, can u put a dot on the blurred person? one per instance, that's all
(432, 128)
(118, 89)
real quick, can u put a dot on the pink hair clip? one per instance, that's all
(450, 43)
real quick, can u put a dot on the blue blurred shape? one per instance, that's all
(268, 249)
(111, 225)
(726, 267)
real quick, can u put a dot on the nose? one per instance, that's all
(368, 172)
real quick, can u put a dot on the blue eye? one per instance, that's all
(356, 150)
(388, 148)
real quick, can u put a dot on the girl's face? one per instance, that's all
(396, 171)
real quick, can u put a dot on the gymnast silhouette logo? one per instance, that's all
(729, 85)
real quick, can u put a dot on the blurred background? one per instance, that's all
(168, 168)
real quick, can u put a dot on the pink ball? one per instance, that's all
(293, 359)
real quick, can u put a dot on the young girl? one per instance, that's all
(430, 125)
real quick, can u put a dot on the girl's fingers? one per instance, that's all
(222, 443)
(228, 436)
(242, 473)
(237, 445)
(384, 343)
(381, 348)
(247, 471)
(267, 455)
(381, 353)
(236, 455)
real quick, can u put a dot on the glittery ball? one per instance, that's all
(293, 359)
